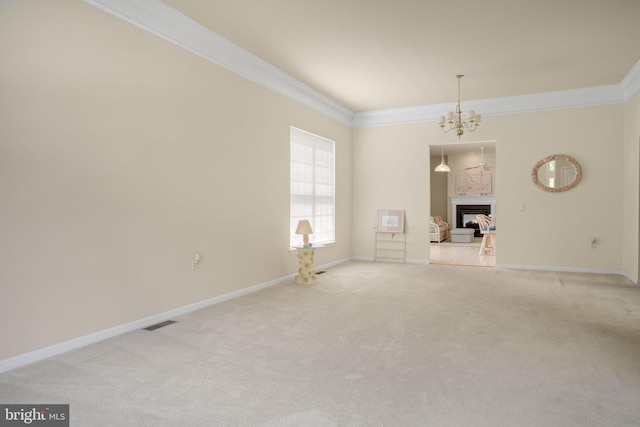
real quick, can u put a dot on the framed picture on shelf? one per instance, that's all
(390, 220)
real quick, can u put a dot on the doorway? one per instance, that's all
(467, 161)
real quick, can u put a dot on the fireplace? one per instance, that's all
(466, 216)
(464, 210)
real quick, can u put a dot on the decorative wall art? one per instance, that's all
(557, 173)
(474, 183)
(390, 220)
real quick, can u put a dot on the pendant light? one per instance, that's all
(442, 167)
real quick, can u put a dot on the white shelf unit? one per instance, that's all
(390, 247)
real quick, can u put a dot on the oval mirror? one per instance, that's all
(557, 173)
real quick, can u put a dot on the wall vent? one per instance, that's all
(159, 325)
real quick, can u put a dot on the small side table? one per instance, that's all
(306, 275)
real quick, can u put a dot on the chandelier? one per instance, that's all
(454, 121)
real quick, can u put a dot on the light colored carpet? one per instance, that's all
(460, 254)
(477, 241)
(370, 345)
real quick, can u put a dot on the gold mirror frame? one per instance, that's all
(564, 157)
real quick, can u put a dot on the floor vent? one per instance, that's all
(320, 272)
(159, 325)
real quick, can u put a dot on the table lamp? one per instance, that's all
(304, 228)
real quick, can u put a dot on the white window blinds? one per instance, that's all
(312, 186)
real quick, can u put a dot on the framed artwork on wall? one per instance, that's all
(390, 220)
(474, 183)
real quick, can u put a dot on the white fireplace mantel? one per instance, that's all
(471, 200)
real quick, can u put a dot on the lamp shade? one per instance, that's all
(442, 167)
(304, 227)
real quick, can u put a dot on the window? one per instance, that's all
(312, 186)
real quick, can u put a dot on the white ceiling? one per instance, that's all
(380, 54)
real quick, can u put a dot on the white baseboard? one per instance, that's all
(44, 353)
(330, 265)
(406, 261)
(632, 279)
(363, 258)
(63, 347)
(416, 261)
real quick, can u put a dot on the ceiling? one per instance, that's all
(377, 55)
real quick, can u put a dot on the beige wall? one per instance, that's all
(631, 185)
(391, 171)
(554, 229)
(439, 188)
(121, 156)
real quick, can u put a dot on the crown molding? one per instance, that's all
(586, 97)
(631, 83)
(166, 22)
(599, 95)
